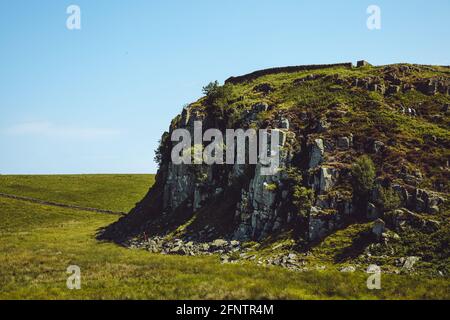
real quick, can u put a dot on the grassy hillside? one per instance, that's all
(118, 192)
(38, 243)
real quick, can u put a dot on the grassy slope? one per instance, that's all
(37, 243)
(118, 192)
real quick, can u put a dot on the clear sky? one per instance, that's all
(97, 100)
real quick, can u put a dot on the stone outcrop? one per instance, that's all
(316, 153)
(311, 195)
(363, 63)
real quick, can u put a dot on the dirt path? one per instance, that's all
(61, 205)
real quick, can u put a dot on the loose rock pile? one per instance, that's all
(229, 251)
(190, 248)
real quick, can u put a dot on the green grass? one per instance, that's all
(118, 192)
(38, 243)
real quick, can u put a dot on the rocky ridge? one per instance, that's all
(313, 195)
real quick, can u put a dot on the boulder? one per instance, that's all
(321, 223)
(377, 146)
(425, 201)
(402, 193)
(343, 143)
(224, 258)
(325, 179)
(219, 243)
(284, 123)
(378, 228)
(372, 212)
(316, 153)
(348, 269)
(234, 243)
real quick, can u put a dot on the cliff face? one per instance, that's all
(331, 121)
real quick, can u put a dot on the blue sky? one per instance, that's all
(97, 100)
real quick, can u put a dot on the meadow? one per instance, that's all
(39, 242)
(118, 192)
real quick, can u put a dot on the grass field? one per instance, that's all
(38, 243)
(118, 192)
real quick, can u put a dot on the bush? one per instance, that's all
(271, 187)
(301, 197)
(161, 153)
(388, 199)
(216, 95)
(363, 176)
(211, 88)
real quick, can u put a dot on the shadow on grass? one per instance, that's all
(359, 244)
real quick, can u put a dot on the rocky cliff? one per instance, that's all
(360, 146)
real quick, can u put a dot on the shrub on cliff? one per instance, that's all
(162, 152)
(363, 178)
(210, 88)
(217, 95)
(388, 199)
(301, 197)
(363, 175)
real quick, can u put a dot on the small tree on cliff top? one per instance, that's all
(216, 95)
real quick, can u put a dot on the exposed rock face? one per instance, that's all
(344, 143)
(178, 187)
(257, 211)
(317, 152)
(324, 179)
(311, 193)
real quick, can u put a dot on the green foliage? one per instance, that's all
(271, 187)
(363, 176)
(300, 196)
(218, 96)
(158, 154)
(162, 152)
(211, 88)
(388, 199)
